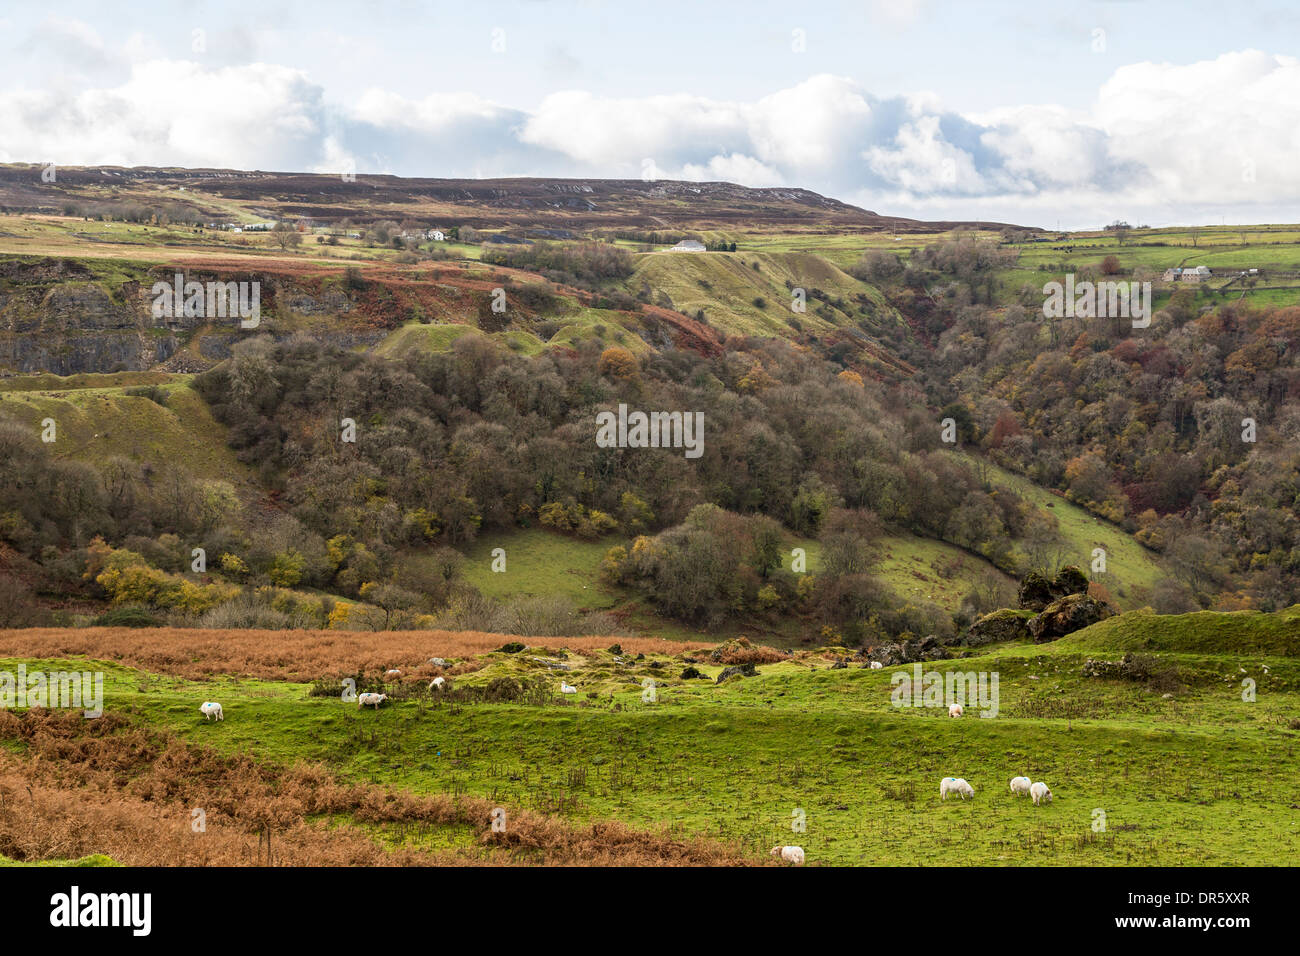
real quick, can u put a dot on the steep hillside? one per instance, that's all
(94, 424)
(745, 293)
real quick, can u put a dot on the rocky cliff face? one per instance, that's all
(60, 316)
(55, 318)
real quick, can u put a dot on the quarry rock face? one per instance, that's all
(57, 316)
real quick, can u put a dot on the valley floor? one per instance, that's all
(1179, 768)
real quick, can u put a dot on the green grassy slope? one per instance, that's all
(95, 423)
(1199, 777)
(1131, 570)
(726, 285)
(1206, 632)
(540, 562)
(580, 325)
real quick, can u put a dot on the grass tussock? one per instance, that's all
(301, 656)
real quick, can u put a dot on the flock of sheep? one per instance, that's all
(374, 700)
(1037, 791)
(957, 786)
(211, 710)
(1019, 785)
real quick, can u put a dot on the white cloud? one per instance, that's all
(1161, 141)
(734, 168)
(172, 113)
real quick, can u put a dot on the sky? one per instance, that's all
(1041, 113)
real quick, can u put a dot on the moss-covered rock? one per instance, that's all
(1066, 615)
(1037, 590)
(1007, 624)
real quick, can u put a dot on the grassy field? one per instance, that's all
(1224, 250)
(43, 235)
(540, 563)
(1190, 775)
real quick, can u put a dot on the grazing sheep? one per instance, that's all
(436, 683)
(1038, 791)
(955, 710)
(567, 688)
(876, 665)
(392, 674)
(1019, 785)
(955, 785)
(368, 700)
(211, 710)
(791, 854)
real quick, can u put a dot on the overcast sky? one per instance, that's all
(1039, 112)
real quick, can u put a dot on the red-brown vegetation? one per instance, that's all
(290, 655)
(108, 786)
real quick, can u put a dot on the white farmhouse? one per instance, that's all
(1198, 274)
(688, 245)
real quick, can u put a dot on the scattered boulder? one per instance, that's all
(1070, 580)
(887, 654)
(925, 648)
(1135, 667)
(1067, 615)
(839, 665)
(1007, 624)
(514, 647)
(744, 670)
(693, 673)
(1037, 590)
(438, 662)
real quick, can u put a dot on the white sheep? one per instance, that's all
(211, 710)
(368, 700)
(567, 688)
(1020, 785)
(791, 854)
(955, 785)
(392, 674)
(955, 710)
(437, 683)
(876, 665)
(1038, 791)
